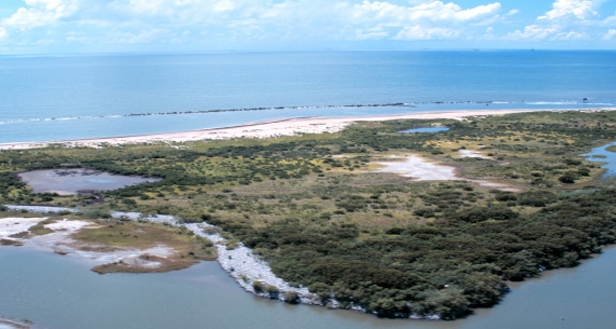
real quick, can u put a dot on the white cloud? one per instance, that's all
(512, 12)
(141, 37)
(568, 20)
(418, 32)
(551, 32)
(41, 13)
(237, 22)
(580, 9)
(373, 34)
(435, 11)
(611, 34)
(535, 32)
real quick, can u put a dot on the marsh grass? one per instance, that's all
(187, 247)
(40, 229)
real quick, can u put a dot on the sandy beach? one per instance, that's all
(268, 129)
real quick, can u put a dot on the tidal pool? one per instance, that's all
(74, 181)
(601, 154)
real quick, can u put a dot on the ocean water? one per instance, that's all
(60, 98)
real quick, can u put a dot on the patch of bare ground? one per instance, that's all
(421, 169)
(111, 246)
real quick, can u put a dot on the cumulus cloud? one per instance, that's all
(568, 20)
(418, 32)
(580, 9)
(551, 32)
(611, 34)
(535, 32)
(41, 13)
(421, 19)
(435, 11)
(221, 22)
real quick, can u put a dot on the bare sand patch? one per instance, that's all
(472, 154)
(420, 169)
(12, 225)
(417, 168)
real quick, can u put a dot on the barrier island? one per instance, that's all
(367, 218)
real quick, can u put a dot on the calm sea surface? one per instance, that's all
(58, 98)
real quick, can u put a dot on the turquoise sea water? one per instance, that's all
(59, 98)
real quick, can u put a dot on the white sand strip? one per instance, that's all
(285, 127)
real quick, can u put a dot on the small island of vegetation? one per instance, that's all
(315, 208)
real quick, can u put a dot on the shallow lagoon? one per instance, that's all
(72, 181)
(60, 292)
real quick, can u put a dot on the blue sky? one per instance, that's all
(95, 26)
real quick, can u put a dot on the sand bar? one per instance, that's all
(268, 129)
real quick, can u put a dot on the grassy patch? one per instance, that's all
(7, 242)
(188, 248)
(40, 229)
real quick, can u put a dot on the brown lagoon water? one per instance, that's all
(72, 181)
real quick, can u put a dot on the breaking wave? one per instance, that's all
(283, 108)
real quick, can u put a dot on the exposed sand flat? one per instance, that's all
(60, 241)
(420, 169)
(472, 154)
(417, 168)
(285, 127)
(12, 225)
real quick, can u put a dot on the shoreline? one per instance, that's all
(271, 128)
(240, 263)
(12, 324)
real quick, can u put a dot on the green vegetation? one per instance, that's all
(40, 229)
(311, 207)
